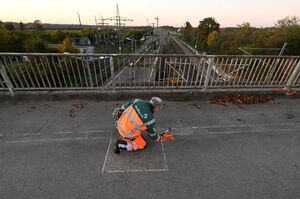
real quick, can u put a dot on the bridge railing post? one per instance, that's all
(208, 73)
(6, 79)
(89, 71)
(293, 76)
(112, 72)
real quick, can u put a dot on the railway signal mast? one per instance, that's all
(118, 22)
(100, 21)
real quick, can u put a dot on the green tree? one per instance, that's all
(38, 25)
(288, 22)
(243, 34)
(57, 36)
(5, 40)
(135, 34)
(208, 25)
(35, 45)
(227, 44)
(260, 38)
(67, 46)
(212, 38)
(21, 26)
(288, 30)
(9, 26)
(187, 32)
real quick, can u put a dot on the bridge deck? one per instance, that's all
(62, 149)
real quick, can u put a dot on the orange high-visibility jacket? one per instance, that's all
(136, 119)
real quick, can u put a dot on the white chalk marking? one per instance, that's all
(31, 134)
(136, 170)
(164, 156)
(62, 139)
(250, 131)
(229, 132)
(250, 125)
(96, 131)
(18, 141)
(105, 160)
(67, 132)
(54, 140)
(183, 134)
(289, 129)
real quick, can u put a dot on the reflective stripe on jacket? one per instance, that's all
(130, 125)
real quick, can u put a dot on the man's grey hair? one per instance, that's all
(156, 101)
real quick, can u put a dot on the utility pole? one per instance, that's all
(157, 19)
(79, 20)
(96, 36)
(96, 22)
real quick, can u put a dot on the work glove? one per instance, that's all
(165, 136)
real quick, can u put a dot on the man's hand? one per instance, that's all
(165, 136)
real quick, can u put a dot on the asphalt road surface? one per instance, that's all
(63, 149)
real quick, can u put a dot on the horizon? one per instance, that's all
(228, 14)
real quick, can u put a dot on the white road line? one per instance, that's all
(136, 170)
(31, 134)
(67, 132)
(54, 140)
(18, 141)
(250, 125)
(183, 134)
(230, 126)
(64, 139)
(96, 131)
(250, 131)
(288, 129)
(229, 132)
(103, 167)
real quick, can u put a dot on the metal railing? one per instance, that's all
(113, 72)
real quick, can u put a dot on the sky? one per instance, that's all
(229, 13)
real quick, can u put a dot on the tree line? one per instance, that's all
(17, 39)
(209, 38)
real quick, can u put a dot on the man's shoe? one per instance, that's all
(116, 147)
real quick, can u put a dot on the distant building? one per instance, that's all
(81, 41)
(86, 49)
(83, 44)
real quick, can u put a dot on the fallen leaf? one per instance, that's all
(290, 93)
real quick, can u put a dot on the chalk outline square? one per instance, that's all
(164, 162)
